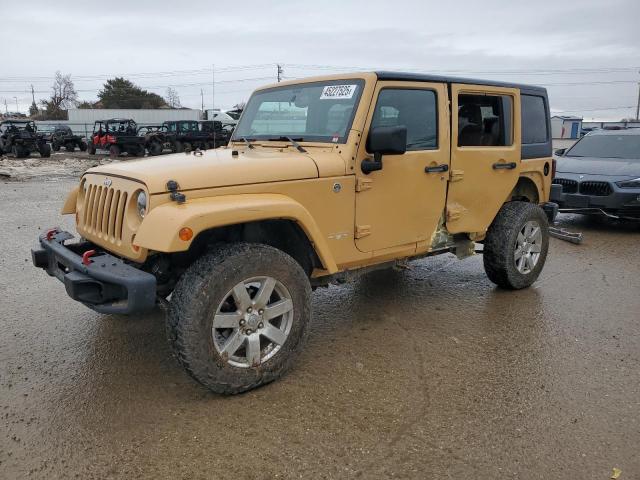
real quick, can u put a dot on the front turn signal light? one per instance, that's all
(185, 234)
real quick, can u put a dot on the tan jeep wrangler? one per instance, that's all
(323, 177)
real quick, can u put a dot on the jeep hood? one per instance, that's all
(218, 168)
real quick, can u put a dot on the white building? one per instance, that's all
(142, 116)
(565, 127)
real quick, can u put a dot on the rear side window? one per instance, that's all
(484, 120)
(534, 120)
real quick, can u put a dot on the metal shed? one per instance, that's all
(563, 126)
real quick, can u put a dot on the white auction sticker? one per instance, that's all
(335, 92)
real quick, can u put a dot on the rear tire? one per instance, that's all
(114, 151)
(92, 149)
(83, 146)
(516, 245)
(224, 333)
(55, 146)
(155, 148)
(45, 151)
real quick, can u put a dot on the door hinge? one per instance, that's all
(363, 184)
(362, 231)
(456, 175)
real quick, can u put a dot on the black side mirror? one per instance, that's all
(384, 141)
(560, 151)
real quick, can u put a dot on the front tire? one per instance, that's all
(516, 245)
(238, 316)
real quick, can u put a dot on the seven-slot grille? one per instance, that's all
(600, 189)
(104, 211)
(568, 186)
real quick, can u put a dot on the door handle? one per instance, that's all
(504, 166)
(437, 169)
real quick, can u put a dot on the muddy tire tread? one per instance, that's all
(500, 243)
(184, 331)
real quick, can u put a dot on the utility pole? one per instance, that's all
(213, 99)
(638, 106)
(33, 95)
(6, 109)
(202, 100)
(17, 107)
(280, 72)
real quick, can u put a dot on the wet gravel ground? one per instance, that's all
(423, 373)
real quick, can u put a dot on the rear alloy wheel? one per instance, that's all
(528, 247)
(516, 245)
(238, 316)
(114, 151)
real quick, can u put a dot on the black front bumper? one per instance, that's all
(107, 284)
(618, 204)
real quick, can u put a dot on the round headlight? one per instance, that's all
(142, 204)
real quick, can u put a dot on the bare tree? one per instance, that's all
(172, 98)
(63, 97)
(240, 105)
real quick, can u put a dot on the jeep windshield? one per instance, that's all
(311, 112)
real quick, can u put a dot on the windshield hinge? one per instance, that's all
(456, 175)
(362, 231)
(363, 184)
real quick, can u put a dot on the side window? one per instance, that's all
(484, 120)
(415, 109)
(534, 119)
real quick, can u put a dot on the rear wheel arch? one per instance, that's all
(526, 190)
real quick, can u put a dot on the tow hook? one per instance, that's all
(51, 232)
(562, 234)
(86, 257)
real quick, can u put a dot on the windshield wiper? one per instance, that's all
(293, 142)
(248, 141)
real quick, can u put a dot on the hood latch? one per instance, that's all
(174, 194)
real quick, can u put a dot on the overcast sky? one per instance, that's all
(586, 52)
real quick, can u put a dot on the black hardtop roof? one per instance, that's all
(176, 121)
(421, 77)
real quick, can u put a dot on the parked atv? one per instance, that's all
(62, 136)
(117, 135)
(217, 133)
(156, 138)
(185, 135)
(21, 138)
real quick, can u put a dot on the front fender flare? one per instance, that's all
(159, 229)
